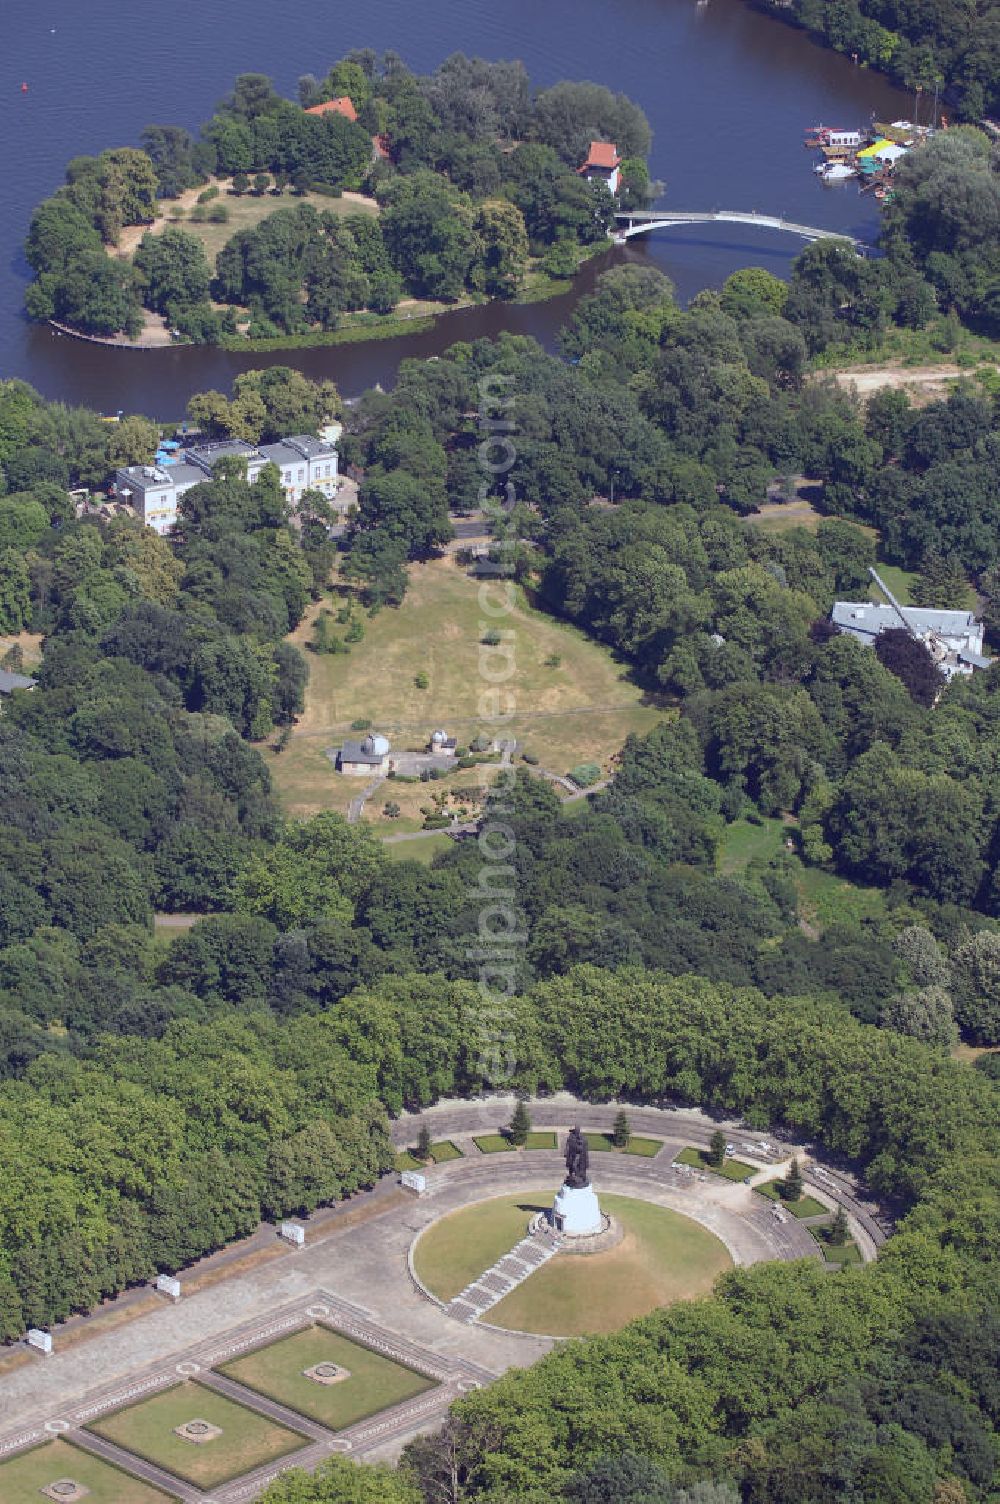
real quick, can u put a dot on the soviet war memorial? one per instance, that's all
(500, 753)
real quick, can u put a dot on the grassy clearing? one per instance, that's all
(27, 1473)
(746, 841)
(579, 711)
(806, 1206)
(731, 1169)
(603, 1142)
(453, 1251)
(836, 1253)
(248, 1440)
(375, 1382)
(541, 1139)
(826, 899)
(245, 213)
(423, 851)
(662, 1258)
(903, 582)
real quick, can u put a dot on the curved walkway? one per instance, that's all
(678, 1126)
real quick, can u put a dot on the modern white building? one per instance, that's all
(953, 638)
(304, 463)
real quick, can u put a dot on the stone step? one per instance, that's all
(504, 1276)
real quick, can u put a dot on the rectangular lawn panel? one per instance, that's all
(603, 1142)
(806, 1206)
(730, 1169)
(444, 1150)
(836, 1253)
(375, 1382)
(541, 1140)
(441, 1152)
(24, 1476)
(647, 1147)
(248, 1439)
(492, 1143)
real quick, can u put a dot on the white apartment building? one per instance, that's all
(304, 463)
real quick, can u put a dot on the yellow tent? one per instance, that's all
(876, 149)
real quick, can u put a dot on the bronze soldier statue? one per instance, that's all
(577, 1159)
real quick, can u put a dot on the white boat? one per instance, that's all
(836, 172)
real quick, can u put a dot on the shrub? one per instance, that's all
(491, 638)
(422, 680)
(584, 774)
(207, 195)
(218, 214)
(361, 725)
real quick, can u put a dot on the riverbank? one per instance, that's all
(357, 328)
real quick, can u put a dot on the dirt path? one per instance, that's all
(925, 383)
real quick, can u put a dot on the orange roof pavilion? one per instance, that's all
(603, 155)
(341, 106)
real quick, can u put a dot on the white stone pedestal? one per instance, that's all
(575, 1212)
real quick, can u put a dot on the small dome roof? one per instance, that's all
(439, 736)
(380, 745)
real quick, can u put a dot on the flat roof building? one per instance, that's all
(953, 638)
(304, 463)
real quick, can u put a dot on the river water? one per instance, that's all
(728, 92)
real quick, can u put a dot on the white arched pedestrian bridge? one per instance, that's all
(633, 222)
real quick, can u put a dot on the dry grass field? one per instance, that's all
(244, 212)
(579, 709)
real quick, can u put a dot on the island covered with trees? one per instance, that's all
(944, 49)
(377, 186)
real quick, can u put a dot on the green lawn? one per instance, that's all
(424, 850)
(440, 1153)
(248, 1440)
(836, 1253)
(26, 1473)
(603, 1142)
(493, 1143)
(731, 1169)
(826, 899)
(542, 1138)
(806, 1206)
(375, 1382)
(579, 711)
(744, 842)
(663, 1257)
(454, 1250)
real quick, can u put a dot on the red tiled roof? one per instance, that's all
(341, 106)
(603, 154)
(381, 146)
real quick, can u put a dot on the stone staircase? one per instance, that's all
(505, 1275)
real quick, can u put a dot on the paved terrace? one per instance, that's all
(357, 1269)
